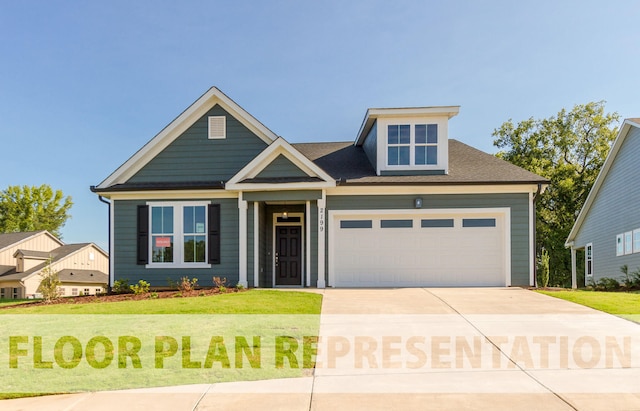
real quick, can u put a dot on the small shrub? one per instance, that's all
(50, 284)
(635, 278)
(153, 295)
(121, 286)
(177, 295)
(607, 284)
(141, 288)
(185, 285)
(627, 279)
(239, 287)
(544, 269)
(221, 283)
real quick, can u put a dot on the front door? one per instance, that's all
(288, 258)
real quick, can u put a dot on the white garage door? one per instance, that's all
(419, 249)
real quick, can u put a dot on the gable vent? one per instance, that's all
(217, 127)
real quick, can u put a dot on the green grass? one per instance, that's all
(249, 302)
(622, 304)
(10, 301)
(200, 328)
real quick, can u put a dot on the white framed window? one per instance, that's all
(74, 291)
(588, 260)
(217, 127)
(178, 234)
(619, 244)
(61, 291)
(98, 291)
(636, 240)
(412, 144)
(426, 144)
(628, 242)
(87, 291)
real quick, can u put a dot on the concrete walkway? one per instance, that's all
(440, 349)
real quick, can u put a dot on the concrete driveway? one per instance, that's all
(440, 349)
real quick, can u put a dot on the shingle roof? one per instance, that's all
(56, 254)
(467, 165)
(34, 254)
(9, 239)
(82, 276)
(6, 269)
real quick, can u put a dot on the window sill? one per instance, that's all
(177, 265)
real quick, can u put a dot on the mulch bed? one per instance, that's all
(107, 298)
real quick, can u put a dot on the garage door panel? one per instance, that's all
(419, 250)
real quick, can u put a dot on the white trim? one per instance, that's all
(322, 225)
(172, 131)
(586, 260)
(307, 252)
(619, 244)
(351, 190)
(615, 147)
(373, 114)
(636, 244)
(262, 160)
(170, 195)
(574, 270)
(275, 224)
(628, 242)
(504, 211)
(242, 239)
(178, 234)
(256, 244)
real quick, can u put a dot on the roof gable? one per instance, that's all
(178, 126)
(281, 165)
(8, 240)
(627, 125)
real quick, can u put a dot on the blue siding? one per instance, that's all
(615, 210)
(193, 157)
(518, 203)
(125, 227)
(281, 167)
(370, 145)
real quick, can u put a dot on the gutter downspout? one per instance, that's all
(108, 203)
(535, 223)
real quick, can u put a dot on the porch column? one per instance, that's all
(321, 242)
(256, 244)
(242, 236)
(307, 236)
(574, 271)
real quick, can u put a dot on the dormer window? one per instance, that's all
(412, 144)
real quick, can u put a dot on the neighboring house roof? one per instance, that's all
(56, 255)
(11, 239)
(43, 255)
(172, 131)
(467, 165)
(82, 276)
(602, 175)
(6, 269)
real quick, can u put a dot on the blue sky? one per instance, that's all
(84, 84)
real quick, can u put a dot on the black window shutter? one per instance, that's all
(143, 234)
(214, 233)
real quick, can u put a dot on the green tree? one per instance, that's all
(24, 208)
(569, 150)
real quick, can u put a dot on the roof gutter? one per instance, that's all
(108, 203)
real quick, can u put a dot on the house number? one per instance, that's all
(321, 220)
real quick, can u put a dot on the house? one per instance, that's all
(217, 193)
(607, 230)
(81, 268)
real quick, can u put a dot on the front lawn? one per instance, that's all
(249, 302)
(9, 301)
(626, 305)
(250, 335)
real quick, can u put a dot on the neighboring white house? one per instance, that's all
(81, 268)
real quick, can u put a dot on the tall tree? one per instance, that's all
(24, 208)
(569, 150)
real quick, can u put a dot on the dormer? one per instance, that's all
(27, 259)
(407, 141)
